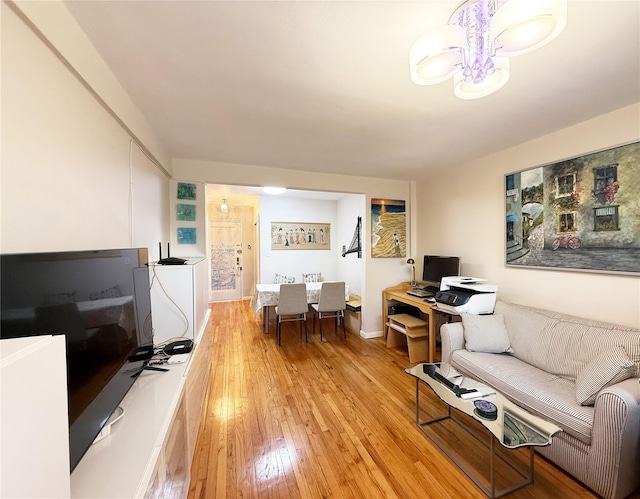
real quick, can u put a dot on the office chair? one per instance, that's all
(332, 304)
(292, 306)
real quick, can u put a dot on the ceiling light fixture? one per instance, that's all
(274, 190)
(224, 207)
(475, 46)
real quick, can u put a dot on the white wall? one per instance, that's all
(72, 178)
(380, 272)
(351, 269)
(296, 262)
(461, 212)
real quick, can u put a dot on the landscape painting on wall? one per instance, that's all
(388, 228)
(579, 214)
(300, 236)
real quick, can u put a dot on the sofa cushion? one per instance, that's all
(485, 333)
(562, 344)
(546, 395)
(607, 368)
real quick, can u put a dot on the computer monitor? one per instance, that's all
(436, 267)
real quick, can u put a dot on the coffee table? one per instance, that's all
(513, 427)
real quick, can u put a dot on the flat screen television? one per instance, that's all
(437, 267)
(100, 300)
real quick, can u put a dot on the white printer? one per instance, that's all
(466, 294)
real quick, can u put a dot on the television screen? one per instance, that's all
(437, 267)
(100, 301)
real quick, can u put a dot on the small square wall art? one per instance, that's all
(186, 212)
(186, 191)
(186, 235)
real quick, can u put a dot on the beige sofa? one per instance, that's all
(581, 375)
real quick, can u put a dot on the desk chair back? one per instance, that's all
(332, 304)
(292, 306)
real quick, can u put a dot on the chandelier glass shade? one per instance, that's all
(481, 35)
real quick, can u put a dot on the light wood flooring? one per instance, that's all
(326, 420)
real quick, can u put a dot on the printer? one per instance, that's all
(466, 294)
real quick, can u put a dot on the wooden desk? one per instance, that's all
(399, 293)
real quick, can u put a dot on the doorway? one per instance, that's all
(225, 252)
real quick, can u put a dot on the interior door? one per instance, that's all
(226, 261)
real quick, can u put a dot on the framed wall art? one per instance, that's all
(187, 235)
(186, 212)
(580, 214)
(186, 191)
(300, 236)
(388, 228)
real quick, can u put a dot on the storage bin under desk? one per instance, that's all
(405, 329)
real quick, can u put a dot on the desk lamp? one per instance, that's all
(412, 262)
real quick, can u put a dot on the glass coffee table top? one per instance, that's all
(511, 425)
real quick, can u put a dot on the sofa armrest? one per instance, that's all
(614, 456)
(452, 338)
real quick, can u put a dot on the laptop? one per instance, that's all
(420, 293)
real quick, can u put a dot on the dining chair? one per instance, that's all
(331, 304)
(292, 306)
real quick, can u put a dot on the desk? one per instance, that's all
(267, 295)
(399, 293)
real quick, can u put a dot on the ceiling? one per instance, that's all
(324, 86)
(240, 195)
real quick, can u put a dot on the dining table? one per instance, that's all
(267, 295)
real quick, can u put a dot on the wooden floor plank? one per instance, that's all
(331, 419)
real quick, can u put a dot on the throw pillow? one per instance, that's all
(605, 369)
(312, 277)
(485, 333)
(284, 279)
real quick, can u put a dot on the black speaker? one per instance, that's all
(141, 353)
(178, 347)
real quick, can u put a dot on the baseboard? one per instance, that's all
(374, 334)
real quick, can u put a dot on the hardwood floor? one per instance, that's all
(319, 420)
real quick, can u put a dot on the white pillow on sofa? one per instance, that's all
(485, 333)
(605, 369)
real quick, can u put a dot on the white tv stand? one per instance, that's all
(151, 448)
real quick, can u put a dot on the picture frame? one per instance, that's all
(186, 235)
(388, 228)
(579, 214)
(300, 236)
(186, 191)
(185, 212)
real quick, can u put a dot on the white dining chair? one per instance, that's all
(292, 306)
(331, 304)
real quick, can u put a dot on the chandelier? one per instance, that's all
(475, 46)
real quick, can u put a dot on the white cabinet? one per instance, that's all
(179, 300)
(196, 388)
(170, 477)
(149, 451)
(34, 428)
(122, 464)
